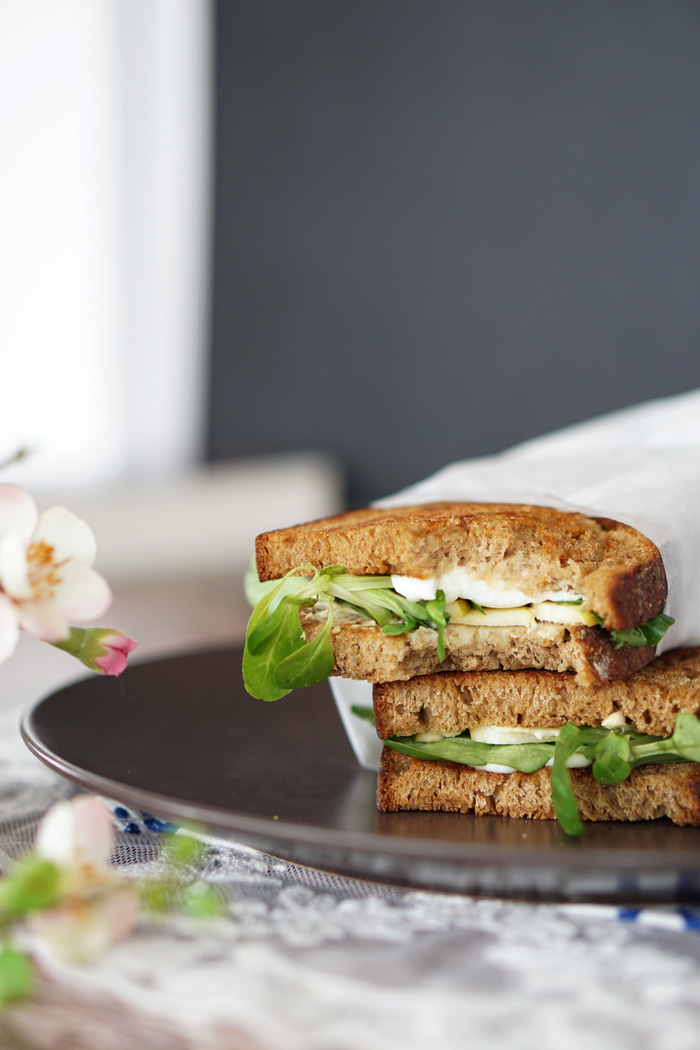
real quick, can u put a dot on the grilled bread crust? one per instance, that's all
(364, 652)
(618, 571)
(446, 703)
(653, 791)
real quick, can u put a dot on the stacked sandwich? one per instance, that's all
(511, 650)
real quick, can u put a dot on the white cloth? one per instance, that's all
(640, 466)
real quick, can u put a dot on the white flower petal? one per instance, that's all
(82, 594)
(9, 628)
(14, 570)
(68, 534)
(18, 513)
(75, 833)
(82, 931)
(42, 620)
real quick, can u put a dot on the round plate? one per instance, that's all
(182, 739)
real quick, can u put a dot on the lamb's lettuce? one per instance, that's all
(277, 659)
(649, 633)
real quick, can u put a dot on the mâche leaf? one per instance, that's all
(563, 798)
(526, 758)
(272, 641)
(650, 633)
(273, 632)
(612, 759)
(435, 610)
(309, 663)
(403, 627)
(363, 711)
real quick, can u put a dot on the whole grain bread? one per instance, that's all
(617, 570)
(653, 791)
(363, 651)
(651, 698)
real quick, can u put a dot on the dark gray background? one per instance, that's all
(443, 226)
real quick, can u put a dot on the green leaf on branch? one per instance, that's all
(31, 885)
(201, 901)
(17, 975)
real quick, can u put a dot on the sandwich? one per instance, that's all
(539, 744)
(385, 595)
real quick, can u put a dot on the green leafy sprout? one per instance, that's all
(277, 658)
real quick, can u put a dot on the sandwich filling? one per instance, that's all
(611, 750)
(277, 657)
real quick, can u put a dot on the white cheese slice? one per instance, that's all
(573, 762)
(513, 734)
(460, 583)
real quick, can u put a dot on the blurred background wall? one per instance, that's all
(444, 226)
(105, 200)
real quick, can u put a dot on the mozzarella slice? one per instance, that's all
(460, 583)
(513, 734)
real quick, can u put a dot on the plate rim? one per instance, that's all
(271, 835)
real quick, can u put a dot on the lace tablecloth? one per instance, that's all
(303, 960)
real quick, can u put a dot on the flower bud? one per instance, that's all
(102, 649)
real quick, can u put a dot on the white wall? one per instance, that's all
(104, 217)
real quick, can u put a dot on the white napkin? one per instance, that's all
(640, 466)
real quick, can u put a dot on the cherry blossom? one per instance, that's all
(46, 575)
(97, 906)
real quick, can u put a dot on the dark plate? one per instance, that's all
(181, 738)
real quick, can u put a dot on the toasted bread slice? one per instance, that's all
(652, 791)
(447, 703)
(617, 570)
(363, 651)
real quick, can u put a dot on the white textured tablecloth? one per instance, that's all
(308, 961)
